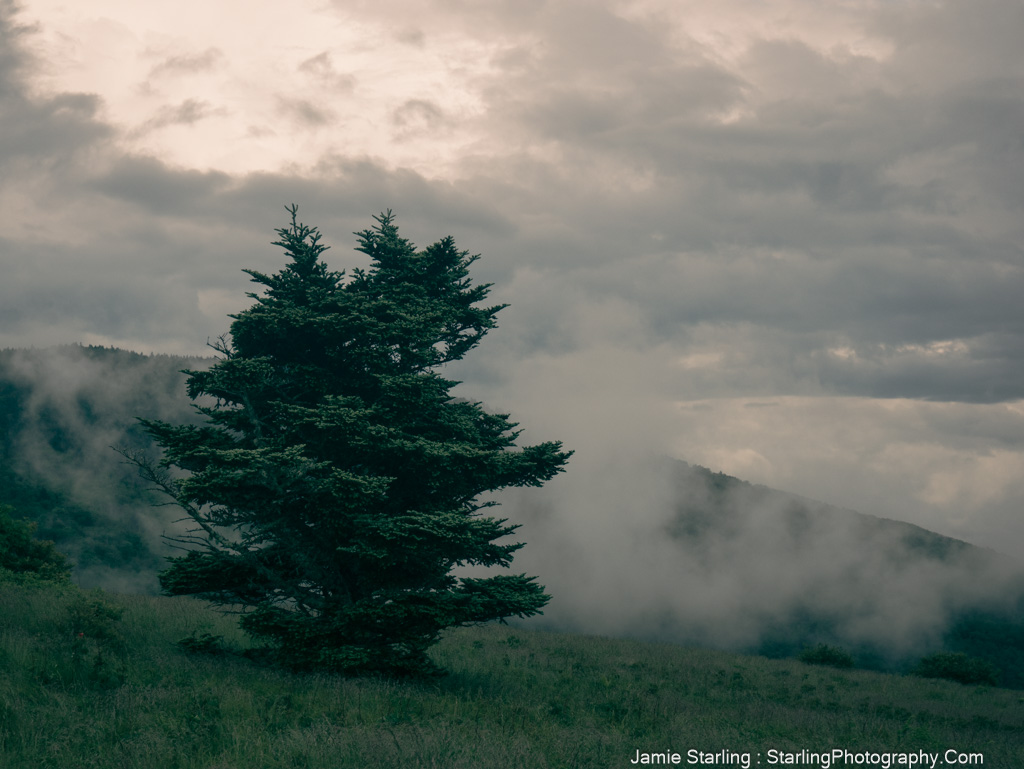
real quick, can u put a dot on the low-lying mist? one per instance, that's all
(627, 544)
(65, 410)
(655, 548)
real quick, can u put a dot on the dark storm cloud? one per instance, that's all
(952, 43)
(967, 376)
(788, 203)
(147, 183)
(825, 200)
(47, 131)
(599, 82)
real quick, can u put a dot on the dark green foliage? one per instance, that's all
(93, 630)
(994, 636)
(957, 667)
(204, 643)
(823, 654)
(21, 553)
(335, 483)
(90, 615)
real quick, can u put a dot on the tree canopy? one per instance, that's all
(336, 481)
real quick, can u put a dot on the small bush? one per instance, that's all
(823, 654)
(90, 615)
(21, 553)
(957, 667)
(97, 643)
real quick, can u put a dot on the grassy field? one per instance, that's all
(80, 687)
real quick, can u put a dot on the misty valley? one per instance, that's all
(735, 480)
(673, 552)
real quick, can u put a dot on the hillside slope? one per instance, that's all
(886, 589)
(96, 681)
(682, 554)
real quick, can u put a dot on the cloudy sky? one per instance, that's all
(782, 240)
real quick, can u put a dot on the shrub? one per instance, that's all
(823, 654)
(90, 615)
(957, 667)
(97, 644)
(21, 553)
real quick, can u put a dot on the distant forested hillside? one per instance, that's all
(886, 590)
(664, 550)
(681, 554)
(61, 411)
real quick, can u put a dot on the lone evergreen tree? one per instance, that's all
(335, 482)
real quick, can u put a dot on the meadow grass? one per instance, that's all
(80, 688)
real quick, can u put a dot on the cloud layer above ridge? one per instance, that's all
(692, 208)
